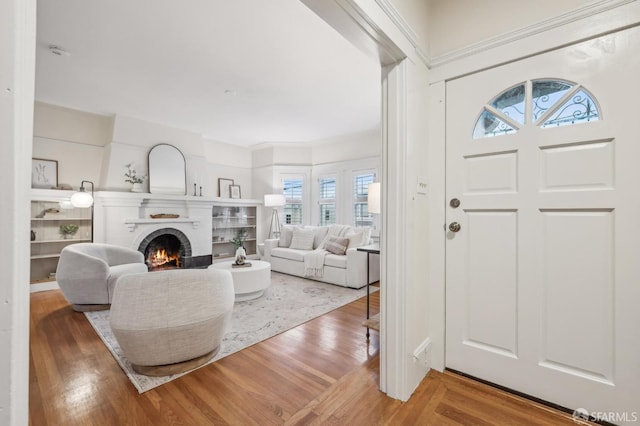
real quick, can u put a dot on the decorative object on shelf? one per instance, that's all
(241, 255)
(83, 199)
(44, 173)
(274, 201)
(224, 187)
(33, 235)
(133, 178)
(194, 189)
(164, 216)
(68, 230)
(238, 241)
(234, 191)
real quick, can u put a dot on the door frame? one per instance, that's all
(374, 27)
(617, 17)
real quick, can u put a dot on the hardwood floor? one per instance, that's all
(322, 372)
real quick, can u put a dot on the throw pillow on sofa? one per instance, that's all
(359, 238)
(336, 245)
(320, 233)
(302, 239)
(286, 233)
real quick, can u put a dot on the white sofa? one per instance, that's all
(347, 270)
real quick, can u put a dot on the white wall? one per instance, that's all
(96, 148)
(76, 161)
(17, 76)
(70, 125)
(454, 24)
(75, 139)
(347, 147)
(229, 162)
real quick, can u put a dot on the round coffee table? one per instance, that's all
(248, 282)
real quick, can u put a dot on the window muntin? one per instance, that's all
(552, 103)
(292, 190)
(361, 214)
(489, 125)
(327, 200)
(545, 94)
(511, 103)
(580, 107)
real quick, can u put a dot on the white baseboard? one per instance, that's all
(49, 285)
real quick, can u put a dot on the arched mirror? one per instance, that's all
(167, 170)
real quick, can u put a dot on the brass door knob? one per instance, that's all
(454, 227)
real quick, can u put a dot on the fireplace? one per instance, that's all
(166, 248)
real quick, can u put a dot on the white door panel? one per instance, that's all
(543, 277)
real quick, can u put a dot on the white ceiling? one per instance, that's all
(236, 71)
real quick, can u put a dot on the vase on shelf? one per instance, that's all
(241, 255)
(137, 187)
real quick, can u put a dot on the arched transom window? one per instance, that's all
(543, 103)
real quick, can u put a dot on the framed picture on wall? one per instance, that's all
(235, 191)
(223, 187)
(44, 173)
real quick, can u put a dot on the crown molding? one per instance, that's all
(396, 18)
(398, 21)
(583, 12)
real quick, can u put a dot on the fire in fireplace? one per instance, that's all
(164, 252)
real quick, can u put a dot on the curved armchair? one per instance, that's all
(168, 322)
(87, 273)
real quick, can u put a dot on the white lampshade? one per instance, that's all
(65, 205)
(82, 199)
(373, 199)
(274, 200)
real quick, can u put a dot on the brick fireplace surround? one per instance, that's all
(124, 218)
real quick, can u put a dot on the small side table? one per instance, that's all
(370, 249)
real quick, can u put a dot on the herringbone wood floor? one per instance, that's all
(322, 372)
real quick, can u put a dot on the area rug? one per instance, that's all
(287, 303)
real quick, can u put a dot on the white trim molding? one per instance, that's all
(583, 12)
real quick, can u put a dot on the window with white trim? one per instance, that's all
(550, 103)
(293, 194)
(327, 200)
(361, 214)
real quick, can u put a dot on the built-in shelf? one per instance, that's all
(45, 256)
(63, 240)
(227, 220)
(59, 218)
(231, 242)
(47, 242)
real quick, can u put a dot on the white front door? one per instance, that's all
(543, 275)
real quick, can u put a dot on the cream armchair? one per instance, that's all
(87, 273)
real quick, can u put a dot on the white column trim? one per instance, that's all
(393, 265)
(17, 76)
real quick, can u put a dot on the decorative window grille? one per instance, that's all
(292, 190)
(360, 194)
(552, 103)
(327, 200)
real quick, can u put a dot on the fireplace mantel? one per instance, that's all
(124, 218)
